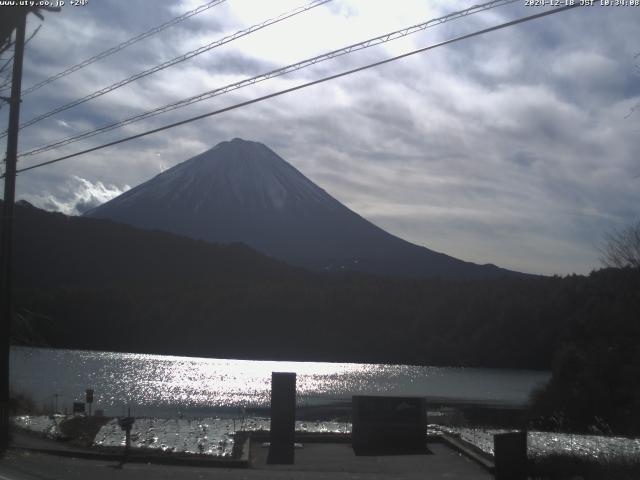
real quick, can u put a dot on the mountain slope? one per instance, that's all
(52, 250)
(241, 191)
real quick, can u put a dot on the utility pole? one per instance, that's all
(6, 307)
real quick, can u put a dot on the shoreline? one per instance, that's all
(219, 438)
(557, 454)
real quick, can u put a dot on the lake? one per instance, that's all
(168, 386)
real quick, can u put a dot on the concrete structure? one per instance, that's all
(389, 425)
(283, 420)
(510, 455)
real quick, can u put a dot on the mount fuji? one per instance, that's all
(242, 191)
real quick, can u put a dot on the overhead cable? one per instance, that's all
(123, 45)
(174, 61)
(273, 73)
(304, 85)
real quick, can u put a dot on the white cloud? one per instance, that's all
(79, 196)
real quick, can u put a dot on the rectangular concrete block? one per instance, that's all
(283, 418)
(389, 425)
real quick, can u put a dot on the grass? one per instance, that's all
(565, 467)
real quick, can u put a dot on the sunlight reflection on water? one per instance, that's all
(148, 383)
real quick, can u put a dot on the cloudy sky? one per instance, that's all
(519, 148)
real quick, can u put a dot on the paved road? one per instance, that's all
(313, 463)
(21, 439)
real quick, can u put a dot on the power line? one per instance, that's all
(174, 61)
(123, 45)
(26, 42)
(305, 85)
(6, 64)
(7, 80)
(273, 73)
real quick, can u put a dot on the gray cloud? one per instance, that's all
(515, 148)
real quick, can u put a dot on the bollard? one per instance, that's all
(510, 455)
(283, 411)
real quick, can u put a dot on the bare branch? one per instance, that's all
(621, 248)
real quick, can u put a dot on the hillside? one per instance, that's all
(95, 284)
(242, 191)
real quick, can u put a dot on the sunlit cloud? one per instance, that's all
(79, 196)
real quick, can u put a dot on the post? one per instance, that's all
(6, 308)
(89, 398)
(126, 424)
(283, 421)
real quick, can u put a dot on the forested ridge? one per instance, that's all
(86, 283)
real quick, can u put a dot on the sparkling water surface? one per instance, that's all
(167, 386)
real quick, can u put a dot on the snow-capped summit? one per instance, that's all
(246, 173)
(238, 172)
(242, 191)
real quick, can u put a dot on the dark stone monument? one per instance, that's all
(389, 425)
(78, 407)
(510, 455)
(283, 411)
